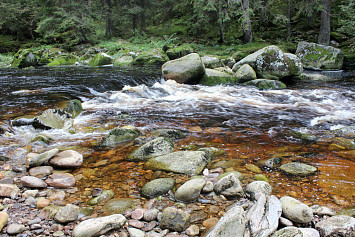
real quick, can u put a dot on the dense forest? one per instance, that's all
(69, 23)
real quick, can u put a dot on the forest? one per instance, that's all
(67, 23)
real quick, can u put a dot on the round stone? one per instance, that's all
(67, 159)
(61, 180)
(158, 187)
(33, 182)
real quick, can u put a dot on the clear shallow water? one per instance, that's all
(247, 123)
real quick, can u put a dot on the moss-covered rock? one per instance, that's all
(152, 57)
(53, 118)
(264, 84)
(123, 61)
(101, 59)
(211, 61)
(187, 69)
(103, 197)
(158, 187)
(157, 147)
(119, 135)
(245, 73)
(73, 107)
(25, 58)
(63, 60)
(299, 169)
(179, 51)
(48, 55)
(215, 77)
(319, 57)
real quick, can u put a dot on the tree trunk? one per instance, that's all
(288, 19)
(142, 15)
(221, 32)
(247, 32)
(324, 32)
(108, 18)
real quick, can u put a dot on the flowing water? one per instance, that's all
(249, 124)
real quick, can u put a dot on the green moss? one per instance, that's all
(63, 60)
(101, 59)
(152, 57)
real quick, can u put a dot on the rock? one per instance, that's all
(4, 217)
(169, 133)
(42, 138)
(157, 147)
(138, 214)
(309, 232)
(210, 222)
(73, 107)
(185, 162)
(67, 214)
(41, 158)
(319, 57)
(98, 226)
(211, 62)
(8, 190)
(119, 135)
(344, 142)
(285, 222)
(123, 61)
(184, 70)
(101, 59)
(336, 226)
(231, 224)
(174, 219)
(30, 193)
(213, 151)
(103, 197)
(245, 73)
(296, 211)
(208, 187)
(258, 186)
(41, 171)
(299, 169)
(288, 232)
(49, 212)
(151, 214)
(61, 180)
(57, 196)
(119, 205)
(14, 228)
(265, 84)
(253, 168)
(347, 211)
(229, 186)
(67, 159)
(261, 177)
(190, 190)
(315, 77)
(158, 187)
(193, 230)
(135, 223)
(32, 182)
(133, 232)
(214, 77)
(263, 216)
(348, 132)
(270, 163)
(53, 118)
(42, 203)
(322, 211)
(64, 59)
(151, 57)
(236, 173)
(179, 51)
(25, 58)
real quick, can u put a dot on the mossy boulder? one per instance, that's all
(119, 135)
(211, 61)
(245, 73)
(63, 60)
(25, 58)
(53, 118)
(151, 57)
(73, 107)
(179, 51)
(319, 57)
(101, 59)
(187, 69)
(157, 147)
(265, 84)
(215, 77)
(123, 61)
(48, 55)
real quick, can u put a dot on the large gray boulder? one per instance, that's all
(185, 162)
(245, 73)
(337, 226)
(211, 61)
(184, 70)
(295, 210)
(190, 190)
(98, 226)
(157, 147)
(319, 57)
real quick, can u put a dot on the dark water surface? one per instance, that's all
(248, 124)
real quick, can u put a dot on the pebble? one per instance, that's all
(41, 171)
(284, 221)
(138, 214)
(15, 228)
(151, 214)
(135, 232)
(150, 226)
(34, 221)
(193, 230)
(136, 224)
(61, 180)
(30, 193)
(210, 222)
(42, 203)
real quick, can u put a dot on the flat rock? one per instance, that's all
(337, 226)
(295, 210)
(158, 187)
(185, 162)
(299, 169)
(119, 205)
(33, 182)
(61, 180)
(190, 190)
(98, 226)
(41, 171)
(67, 159)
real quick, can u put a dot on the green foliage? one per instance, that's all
(5, 60)
(347, 22)
(8, 44)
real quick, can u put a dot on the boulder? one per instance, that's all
(211, 62)
(53, 118)
(215, 77)
(185, 162)
(38, 160)
(157, 147)
(119, 135)
(123, 61)
(151, 57)
(158, 187)
(25, 58)
(67, 214)
(186, 69)
(174, 219)
(101, 59)
(245, 73)
(64, 59)
(61, 180)
(32, 182)
(67, 159)
(337, 226)
(98, 226)
(103, 197)
(190, 191)
(299, 169)
(295, 210)
(319, 57)
(179, 51)
(229, 186)
(258, 186)
(265, 84)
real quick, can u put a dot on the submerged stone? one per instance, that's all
(169, 133)
(119, 205)
(119, 135)
(158, 187)
(299, 169)
(103, 197)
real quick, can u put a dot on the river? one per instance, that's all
(250, 125)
